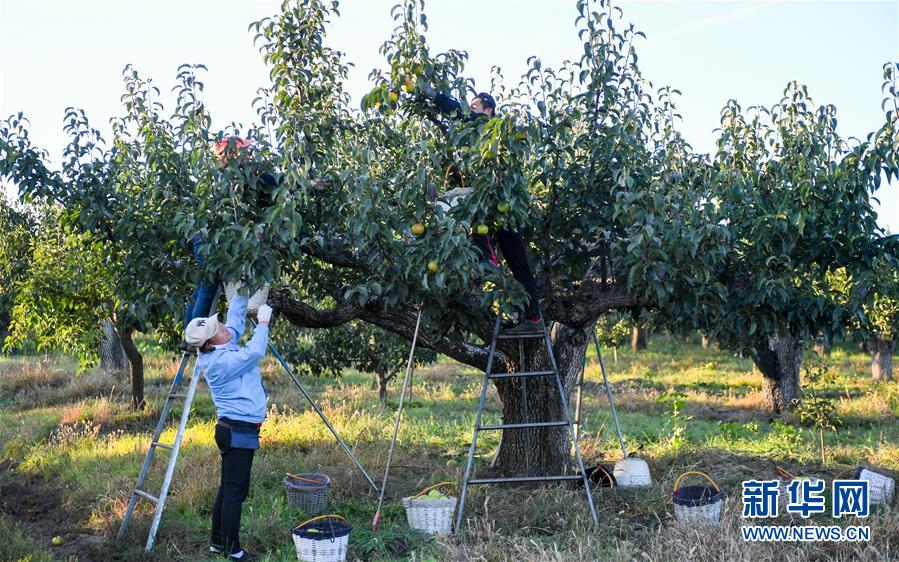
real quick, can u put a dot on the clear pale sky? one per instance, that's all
(56, 54)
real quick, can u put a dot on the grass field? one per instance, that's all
(70, 451)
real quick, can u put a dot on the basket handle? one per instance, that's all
(608, 474)
(428, 489)
(295, 477)
(698, 473)
(330, 516)
(783, 473)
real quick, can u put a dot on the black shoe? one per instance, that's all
(527, 327)
(216, 550)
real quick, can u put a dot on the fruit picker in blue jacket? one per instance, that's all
(235, 382)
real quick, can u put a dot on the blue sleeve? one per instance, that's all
(237, 317)
(249, 355)
(448, 105)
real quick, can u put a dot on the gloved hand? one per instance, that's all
(429, 92)
(264, 314)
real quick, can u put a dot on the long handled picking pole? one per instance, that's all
(605, 380)
(321, 414)
(396, 426)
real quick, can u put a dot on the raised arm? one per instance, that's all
(237, 316)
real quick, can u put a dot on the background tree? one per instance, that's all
(613, 330)
(65, 296)
(879, 324)
(797, 201)
(355, 345)
(16, 245)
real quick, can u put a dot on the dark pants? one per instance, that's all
(201, 301)
(513, 248)
(233, 488)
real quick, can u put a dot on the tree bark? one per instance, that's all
(707, 340)
(638, 338)
(779, 359)
(137, 369)
(881, 358)
(383, 379)
(544, 450)
(112, 356)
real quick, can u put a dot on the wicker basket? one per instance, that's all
(880, 487)
(430, 516)
(321, 539)
(256, 300)
(308, 491)
(698, 503)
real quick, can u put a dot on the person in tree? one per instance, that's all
(259, 197)
(511, 243)
(235, 382)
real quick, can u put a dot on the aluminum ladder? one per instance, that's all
(174, 447)
(489, 376)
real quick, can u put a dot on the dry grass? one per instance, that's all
(79, 436)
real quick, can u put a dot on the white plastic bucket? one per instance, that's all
(632, 472)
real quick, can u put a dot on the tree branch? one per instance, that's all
(402, 322)
(336, 257)
(301, 314)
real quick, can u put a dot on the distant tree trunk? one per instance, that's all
(822, 348)
(707, 340)
(779, 359)
(638, 338)
(112, 356)
(137, 369)
(547, 448)
(881, 358)
(383, 380)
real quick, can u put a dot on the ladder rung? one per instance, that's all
(163, 445)
(520, 336)
(524, 479)
(146, 496)
(527, 374)
(523, 425)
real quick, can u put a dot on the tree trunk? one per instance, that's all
(779, 359)
(383, 379)
(544, 450)
(137, 369)
(707, 340)
(638, 338)
(881, 358)
(112, 356)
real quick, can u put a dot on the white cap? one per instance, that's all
(201, 329)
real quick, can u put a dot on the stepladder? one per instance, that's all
(551, 371)
(140, 492)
